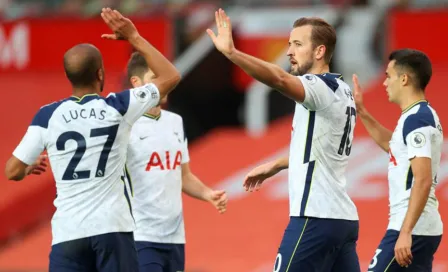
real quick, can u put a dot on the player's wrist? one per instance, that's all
(406, 231)
(134, 38)
(231, 53)
(362, 111)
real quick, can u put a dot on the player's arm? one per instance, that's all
(418, 143)
(421, 169)
(26, 158)
(194, 187)
(268, 73)
(167, 75)
(378, 132)
(259, 174)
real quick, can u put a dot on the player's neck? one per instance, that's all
(80, 92)
(320, 69)
(155, 111)
(412, 98)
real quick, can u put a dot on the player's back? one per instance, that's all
(321, 141)
(86, 141)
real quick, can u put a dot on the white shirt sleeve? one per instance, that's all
(31, 146)
(185, 153)
(319, 91)
(133, 103)
(419, 142)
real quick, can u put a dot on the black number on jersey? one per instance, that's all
(345, 141)
(70, 173)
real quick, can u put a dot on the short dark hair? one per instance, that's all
(137, 66)
(416, 62)
(322, 34)
(81, 65)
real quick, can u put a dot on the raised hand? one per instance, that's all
(224, 40)
(122, 27)
(357, 93)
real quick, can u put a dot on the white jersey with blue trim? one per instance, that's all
(418, 134)
(321, 141)
(157, 149)
(86, 140)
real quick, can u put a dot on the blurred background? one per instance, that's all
(233, 122)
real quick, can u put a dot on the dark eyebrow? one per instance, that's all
(295, 41)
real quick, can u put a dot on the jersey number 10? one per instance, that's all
(70, 173)
(345, 141)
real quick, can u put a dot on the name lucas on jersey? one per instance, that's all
(84, 114)
(156, 161)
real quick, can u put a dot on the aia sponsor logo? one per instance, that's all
(165, 161)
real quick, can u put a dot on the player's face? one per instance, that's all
(301, 51)
(392, 82)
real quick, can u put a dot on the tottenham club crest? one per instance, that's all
(418, 139)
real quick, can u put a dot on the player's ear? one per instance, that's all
(100, 74)
(319, 52)
(405, 79)
(135, 81)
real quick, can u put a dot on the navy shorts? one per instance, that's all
(159, 257)
(315, 244)
(110, 252)
(423, 250)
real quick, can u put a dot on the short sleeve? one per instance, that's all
(31, 146)
(319, 91)
(133, 103)
(419, 142)
(418, 130)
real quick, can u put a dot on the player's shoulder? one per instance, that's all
(119, 101)
(418, 115)
(332, 80)
(45, 113)
(420, 111)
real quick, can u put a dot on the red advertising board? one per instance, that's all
(39, 44)
(422, 30)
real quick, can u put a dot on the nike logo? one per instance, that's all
(143, 137)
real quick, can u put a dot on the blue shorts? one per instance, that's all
(423, 250)
(158, 257)
(110, 252)
(315, 244)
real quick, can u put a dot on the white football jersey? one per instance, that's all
(86, 140)
(321, 141)
(418, 134)
(157, 149)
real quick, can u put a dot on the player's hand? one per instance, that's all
(219, 200)
(122, 27)
(357, 93)
(223, 41)
(38, 167)
(259, 174)
(403, 253)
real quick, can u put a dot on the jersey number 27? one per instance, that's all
(346, 143)
(70, 173)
